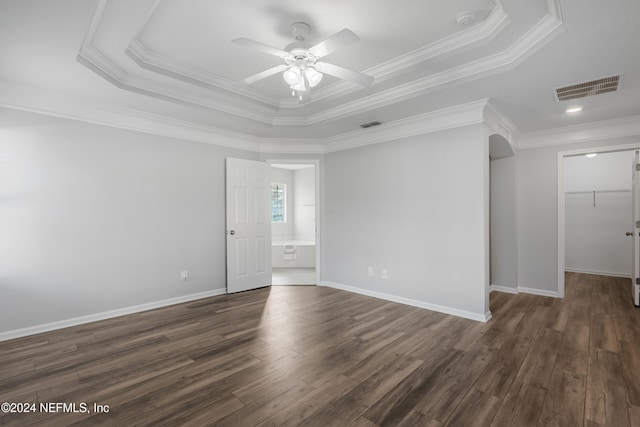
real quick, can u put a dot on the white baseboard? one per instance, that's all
(504, 289)
(597, 273)
(541, 292)
(523, 290)
(32, 330)
(412, 302)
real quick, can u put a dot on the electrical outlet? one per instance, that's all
(184, 275)
(383, 273)
(371, 271)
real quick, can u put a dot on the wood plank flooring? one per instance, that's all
(315, 356)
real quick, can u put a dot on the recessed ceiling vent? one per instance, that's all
(370, 124)
(594, 87)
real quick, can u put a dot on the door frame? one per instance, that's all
(316, 163)
(561, 201)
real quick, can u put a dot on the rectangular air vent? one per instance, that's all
(594, 87)
(368, 125)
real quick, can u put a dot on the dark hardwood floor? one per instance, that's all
(316, 356)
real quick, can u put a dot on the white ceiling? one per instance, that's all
(172, 60)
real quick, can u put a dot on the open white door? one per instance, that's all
(635, 197)
(248, 225)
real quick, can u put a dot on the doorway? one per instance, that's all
(502, 214)
(598, 213)
(576, 194)
(294, 222)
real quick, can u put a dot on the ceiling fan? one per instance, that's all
(302, 68)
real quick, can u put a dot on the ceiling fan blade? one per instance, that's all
(263, 75)
(338, 40)
(344, 74)
(261, 47)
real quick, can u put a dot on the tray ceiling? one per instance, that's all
(174, 59)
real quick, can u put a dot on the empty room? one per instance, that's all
(338, 213)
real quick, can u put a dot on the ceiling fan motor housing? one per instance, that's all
(300, 30)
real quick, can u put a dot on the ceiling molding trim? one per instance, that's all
(152, 61)
(74, 108)
(91, 57)
(66, 107)
(550, 26)
(49, 103)
(289, 121)
(607, 129)
(505, 60)
(98, 63)
(488, 29)
(435, 121)
(140, 53)
(96, 18)
(150, 14)
(499, 122)
(547, 28)
(94, 60)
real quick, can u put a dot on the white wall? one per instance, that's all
(284, 176)
(537, 212)
(94, 218)
(417, 207)
(503, 224)
(595, 240)
(304, 203)
(606, 171)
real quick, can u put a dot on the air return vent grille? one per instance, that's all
(370, 124)
(594, 87)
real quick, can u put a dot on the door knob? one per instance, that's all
(232, 232)
(628, 233)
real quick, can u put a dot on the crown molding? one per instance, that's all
(152, 61)
(74, 108)
(503, 61)
(489, 28)
(435, 121)
(547, 28)
(101, 65)
(96, 61)
(483, 111)
(606, 129)
(139, 52)
(500, 123)
(67, 107)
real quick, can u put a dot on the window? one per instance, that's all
(278, 202)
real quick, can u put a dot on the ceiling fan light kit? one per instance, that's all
(313, 76)
(302, 70)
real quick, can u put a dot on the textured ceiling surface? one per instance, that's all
(174, 60)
